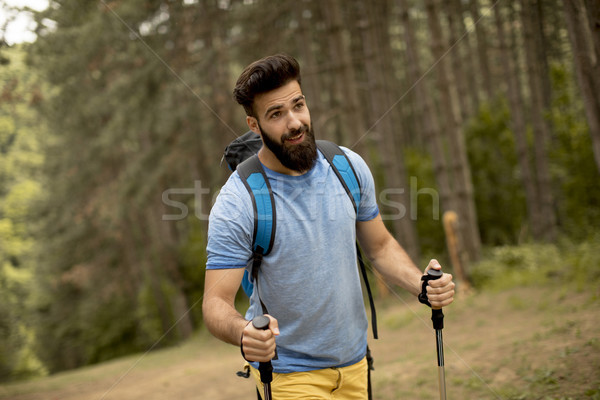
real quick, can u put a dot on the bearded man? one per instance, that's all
(309, 281)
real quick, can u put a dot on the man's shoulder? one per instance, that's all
(353, 156)
(233, 194)
(358, 163)
(234, 184)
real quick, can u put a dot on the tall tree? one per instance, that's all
(311, 82)
(352, 121)
(462, 184)
(115, 159)
(468, 57)
(427, 110)
(541, 129)
(587, 66)
(482, 48)
(21, 136)
(511, 75)
(453, 11)
(539, 37)
(381, 125)
(593, 17)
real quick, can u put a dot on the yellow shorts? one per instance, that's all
(331, 383)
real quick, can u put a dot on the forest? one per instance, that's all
(114, 120)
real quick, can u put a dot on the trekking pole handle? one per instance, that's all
(265, 367)
(434, 274)
(437, 316)
(261, 322)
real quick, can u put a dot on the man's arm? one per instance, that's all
(391, 261)
(218, 306)
(226, 323)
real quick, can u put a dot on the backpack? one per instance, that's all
(241, 156)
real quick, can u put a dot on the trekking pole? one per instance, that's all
(265, 368)
(437, 317)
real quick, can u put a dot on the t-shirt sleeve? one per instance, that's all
(368, 208)
(230, 227)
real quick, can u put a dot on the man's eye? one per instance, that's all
(275, 115)
(299, 106)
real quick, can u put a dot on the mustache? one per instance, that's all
(292, 133)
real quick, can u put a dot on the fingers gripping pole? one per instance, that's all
(265, 368)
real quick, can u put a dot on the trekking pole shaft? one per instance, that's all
(437, 317)
(440, 357)
(267, 392)
(266, 376)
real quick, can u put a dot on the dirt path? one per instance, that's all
(518, 344)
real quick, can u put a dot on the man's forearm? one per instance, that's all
(396, 266)
(223, 320)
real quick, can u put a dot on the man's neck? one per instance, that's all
(271, 161)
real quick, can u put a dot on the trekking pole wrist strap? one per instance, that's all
(423, 299)
(242, 342)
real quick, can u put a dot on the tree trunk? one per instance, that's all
(459, 165)
(352, 121)
(455, 37)
(482, 46)
(456, 250)
(517, 121)
(587, 71)
(468, 57)
(593, 17)
(311, 85)
(381, 12)
(165, 260)
(381, 125)
(428, 112)
(160, 259)
(539, 37)
(221, 83)
(540, 126)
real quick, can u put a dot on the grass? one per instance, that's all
(109, 371)
(529, 330)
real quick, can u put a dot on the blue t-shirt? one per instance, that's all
(310, 281)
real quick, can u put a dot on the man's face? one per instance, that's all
(283, 120)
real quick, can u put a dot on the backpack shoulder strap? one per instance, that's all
(256, 182)
(343, 169)
(254, 178)
(341, 165)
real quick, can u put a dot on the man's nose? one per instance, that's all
(293, 122)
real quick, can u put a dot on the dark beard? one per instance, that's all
(298, 157)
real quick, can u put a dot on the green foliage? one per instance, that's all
(428, 211)
(192, 259)
(109, 268)
(499, 195)
(574, 169)
(20, 138)
(538, 264)
(135, 101)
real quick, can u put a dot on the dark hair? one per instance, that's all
(262, 76)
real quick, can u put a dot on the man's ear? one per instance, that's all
(253, 124)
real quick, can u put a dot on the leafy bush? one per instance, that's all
(536, 264)
(499, 194)
(574, 170)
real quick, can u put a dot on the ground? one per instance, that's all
(520, 343)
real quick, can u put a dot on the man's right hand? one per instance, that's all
(259, 345)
